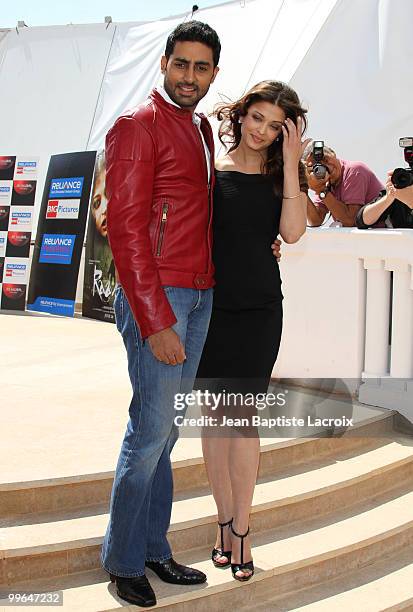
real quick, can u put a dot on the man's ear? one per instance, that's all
(164, 63)
(216, 70)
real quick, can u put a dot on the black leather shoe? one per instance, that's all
(173, 572)
(136, 590)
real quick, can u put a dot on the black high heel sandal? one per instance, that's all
(241, 567)
(220, 551)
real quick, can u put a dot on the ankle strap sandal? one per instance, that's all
(241, 567)
(220, 552)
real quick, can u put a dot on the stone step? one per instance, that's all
(85, 490)
(286, 559)
(384, 586)
(62, 543)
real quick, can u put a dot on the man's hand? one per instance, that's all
(167, 347)
(390, 189)
(276, 249)
(404, 195)
(314, 183)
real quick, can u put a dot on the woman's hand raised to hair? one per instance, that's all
(293, 146)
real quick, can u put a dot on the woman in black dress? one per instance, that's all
(260, 192)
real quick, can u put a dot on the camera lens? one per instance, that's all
(319, 171)
(402, 177)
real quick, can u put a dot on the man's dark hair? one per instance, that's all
(194, 31)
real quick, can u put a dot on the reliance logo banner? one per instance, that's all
(66, 187)
(3, 243)
(57, 248)
(5, 192)
(60, 232)
(15, 272)
(26, 168)
(21, 217)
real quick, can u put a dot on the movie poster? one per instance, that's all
(60, 233)
(18, 182)
(99, 282)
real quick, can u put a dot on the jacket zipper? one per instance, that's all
(201, 142)
(200, 138)
(162, 228)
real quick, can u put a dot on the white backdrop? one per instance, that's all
(260, 39)
(350, 61)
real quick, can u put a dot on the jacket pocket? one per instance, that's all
(162, 229)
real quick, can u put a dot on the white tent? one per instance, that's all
(350, 61)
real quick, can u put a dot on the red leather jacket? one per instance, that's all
(159, 211)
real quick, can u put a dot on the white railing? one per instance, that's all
(348, 310)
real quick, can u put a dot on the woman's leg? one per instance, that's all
(239, 353)
(259, 345)
(243, 469)
(231, 459)
(216, 451)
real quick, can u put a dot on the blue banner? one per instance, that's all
(60, 233)
(66, 187)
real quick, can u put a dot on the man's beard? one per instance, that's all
(183, 102)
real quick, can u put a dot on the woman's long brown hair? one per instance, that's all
(279, 94)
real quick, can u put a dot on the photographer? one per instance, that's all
(344, 188)
(395, 207)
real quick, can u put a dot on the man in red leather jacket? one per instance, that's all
(159, 183)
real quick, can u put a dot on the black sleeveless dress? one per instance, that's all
(246, 322)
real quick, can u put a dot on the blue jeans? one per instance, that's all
(141, 500)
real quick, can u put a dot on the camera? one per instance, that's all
(319, 170)
(403, 177)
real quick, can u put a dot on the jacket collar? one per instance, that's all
(185, 115)
(162, 91)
